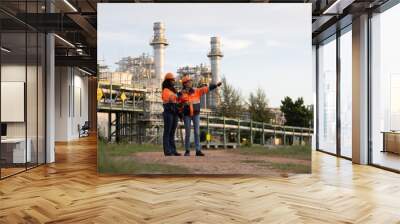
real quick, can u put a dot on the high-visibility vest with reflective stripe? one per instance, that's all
(192, 100)
(168, 96)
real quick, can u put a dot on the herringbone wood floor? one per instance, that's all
(71, 191)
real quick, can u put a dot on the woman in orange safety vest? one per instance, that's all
(170, 115)
(190, 98)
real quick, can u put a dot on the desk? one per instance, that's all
(391, 141)
(13, 150)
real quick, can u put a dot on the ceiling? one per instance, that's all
(75, 21)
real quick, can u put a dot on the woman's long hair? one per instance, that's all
(169, 85)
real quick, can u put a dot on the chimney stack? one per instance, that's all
(159, 43)
(215, 56)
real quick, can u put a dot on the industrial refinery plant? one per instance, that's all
(130, 106)
(129, 102)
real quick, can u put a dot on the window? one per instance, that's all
(327, 96)
(385, 89)
(346, 93)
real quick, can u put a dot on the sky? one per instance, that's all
(264, 45)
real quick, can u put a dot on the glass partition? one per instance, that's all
(31, 88)
(22, 78)
(13, 86)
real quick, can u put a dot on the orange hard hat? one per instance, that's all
(169, 76)
(186, 78)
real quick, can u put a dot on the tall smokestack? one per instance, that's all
(215, 56)
(159, 43)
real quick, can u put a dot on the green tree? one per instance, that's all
(258, 106)
(296, 113)
(231, 104)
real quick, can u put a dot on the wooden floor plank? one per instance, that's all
(71, 191)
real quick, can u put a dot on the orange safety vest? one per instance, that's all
(193, 98)
(168, 96)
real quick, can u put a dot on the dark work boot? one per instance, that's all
(187, 153)
(176, 154)
(199, 153)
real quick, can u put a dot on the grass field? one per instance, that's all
(121, 159)
(115, 158)
(293, 152)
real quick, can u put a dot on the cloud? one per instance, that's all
(274, 43)
(112, 36)
(228, 44)
(119, 37)
(197, 39)
(235, 44)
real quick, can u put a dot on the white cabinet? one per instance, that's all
(19, 155)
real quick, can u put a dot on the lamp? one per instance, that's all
(337, 7)
(84, 71)
(5, 50)
(70, 5)
(64, 40)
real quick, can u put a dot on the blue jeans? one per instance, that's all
(170, 124)
(187, 120)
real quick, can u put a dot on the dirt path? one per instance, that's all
(220, 162)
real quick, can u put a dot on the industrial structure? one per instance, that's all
(130, 106)
(141, 68)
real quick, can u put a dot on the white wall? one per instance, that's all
(61, 103)
(71, 102)
(80, 109)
